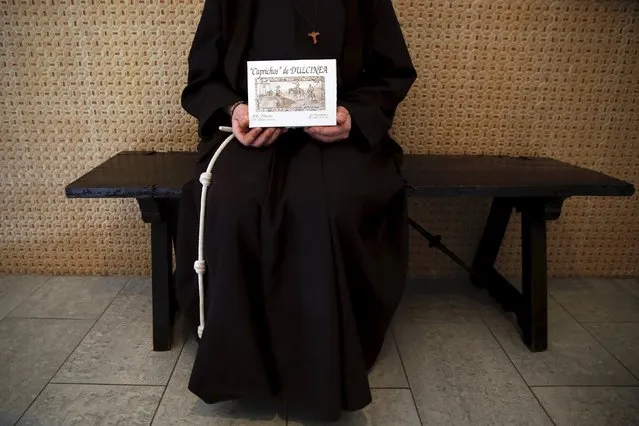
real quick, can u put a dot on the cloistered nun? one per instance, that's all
(305, 234)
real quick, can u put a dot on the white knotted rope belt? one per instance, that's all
(206, 179)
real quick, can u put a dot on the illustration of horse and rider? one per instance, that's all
(296, 91)
(287, 93)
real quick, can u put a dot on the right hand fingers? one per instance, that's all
(243, 121)
(242, 132)
(249, 137)
(252, 137)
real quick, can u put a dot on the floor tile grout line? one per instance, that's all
(614, 284)
(126, 282)
(586, 386)
(532, 392)
(140, 385)
(391, 387)
(610, 353)
(594, 337)
(624, 289)
(447, 322)
(177, 360)
(50, 277)
(55, 318)
(410, 388)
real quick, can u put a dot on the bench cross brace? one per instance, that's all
(530, 305)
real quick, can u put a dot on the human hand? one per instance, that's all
(257, 137)
(328, 134)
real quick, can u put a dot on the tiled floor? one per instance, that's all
(77, 350)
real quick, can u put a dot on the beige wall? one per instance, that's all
(82, 80)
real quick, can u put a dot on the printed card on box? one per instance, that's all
(296, 93)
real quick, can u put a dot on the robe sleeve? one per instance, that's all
(207, 92)
(386, 79)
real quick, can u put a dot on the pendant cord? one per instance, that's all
(314, 25)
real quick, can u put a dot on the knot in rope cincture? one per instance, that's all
(200, 264)
(206, 179)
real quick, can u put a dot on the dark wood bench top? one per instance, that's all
(141, 174)
(501, 176)
(136, 174)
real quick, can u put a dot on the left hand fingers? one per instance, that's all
(328, 131)
(329, 137)
(278, 132)
(333, 133)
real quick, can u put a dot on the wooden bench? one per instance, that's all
(534, 187)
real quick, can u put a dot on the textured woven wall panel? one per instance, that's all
(82, 80)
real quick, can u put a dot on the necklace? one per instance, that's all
(314, 33)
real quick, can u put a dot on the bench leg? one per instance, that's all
(161, 277)
(531, 304)
(533, 319)
(154, 211)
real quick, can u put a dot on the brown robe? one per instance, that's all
(306, 243)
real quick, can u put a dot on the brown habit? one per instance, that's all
(306, 243)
